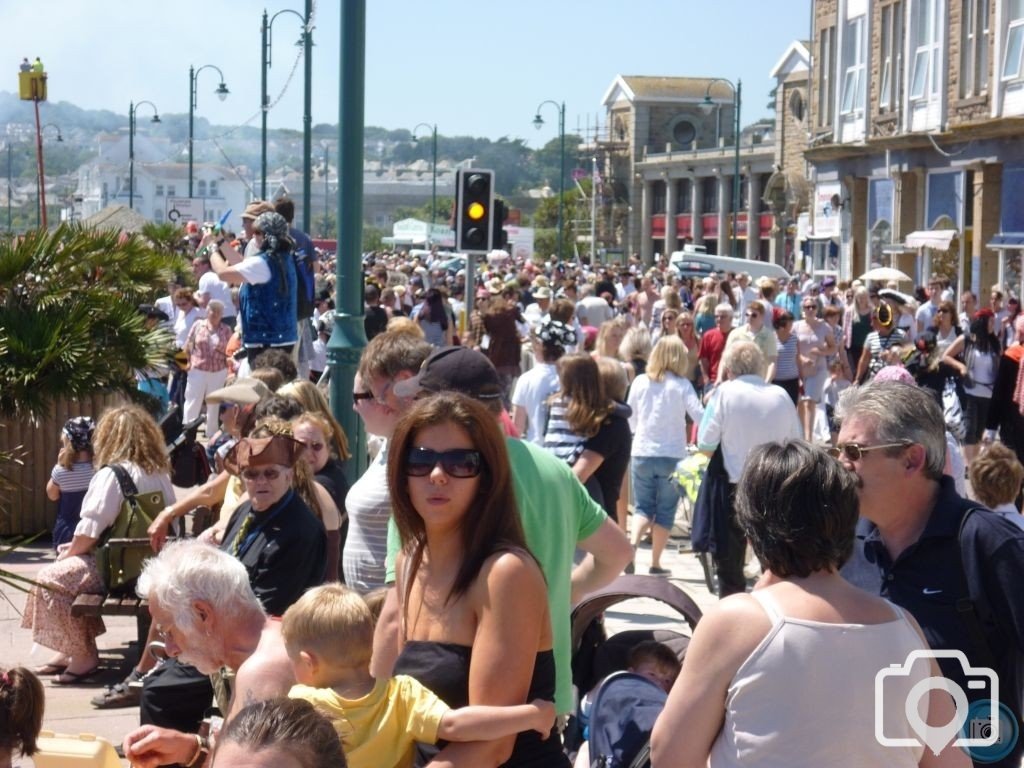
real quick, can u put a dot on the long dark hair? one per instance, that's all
(980, 338)
(433, 304)
(493, 525)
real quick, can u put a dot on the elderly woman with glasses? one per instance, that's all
(475, 623)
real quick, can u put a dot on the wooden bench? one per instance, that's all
(113, 605)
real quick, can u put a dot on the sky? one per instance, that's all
(477, 68)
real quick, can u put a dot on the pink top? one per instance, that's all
(208, 346)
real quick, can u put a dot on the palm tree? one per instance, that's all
(69, 324)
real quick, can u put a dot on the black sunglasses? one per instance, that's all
(855, 451)
(461, 462)
(357, 396)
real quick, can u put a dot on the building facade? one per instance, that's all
(916, 113)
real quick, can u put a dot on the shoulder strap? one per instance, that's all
(968, 610)
(767, 602)
(124, 480)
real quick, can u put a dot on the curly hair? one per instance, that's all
(996, 475)
(798, 506)
(127, 433)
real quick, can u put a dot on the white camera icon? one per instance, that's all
(937, 737)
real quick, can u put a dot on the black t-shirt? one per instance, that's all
(375, 322)
(614, 442)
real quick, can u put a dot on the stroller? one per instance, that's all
(189, 465)
(625, 706)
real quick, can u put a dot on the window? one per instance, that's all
(1014, 40)
(158, 216)
(974, 47)
(853, 61)
(170, 190)
(684, 196)
(892, 57)
(709, 195)
(924, 35)
(796, 106)
(159, 191)
(201, 188)
(658, 197)
(213, 189)
(683, 133)
(826, 66)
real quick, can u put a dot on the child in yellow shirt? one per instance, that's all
(328, 633)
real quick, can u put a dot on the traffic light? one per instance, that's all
(474, 208)
(499, 238)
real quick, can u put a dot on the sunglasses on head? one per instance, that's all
(461, 462)
(252, 475)
(855, 451)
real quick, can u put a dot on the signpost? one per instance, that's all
(184, 209)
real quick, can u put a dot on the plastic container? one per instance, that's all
(85, 750)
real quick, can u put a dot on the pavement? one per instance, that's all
(68, 710)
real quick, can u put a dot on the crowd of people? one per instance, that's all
(525, 432)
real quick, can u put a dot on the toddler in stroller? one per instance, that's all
(615, 729)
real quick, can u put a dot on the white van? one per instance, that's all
(696, 262)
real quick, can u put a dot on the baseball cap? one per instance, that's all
(454, 369)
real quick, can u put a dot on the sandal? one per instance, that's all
(50, 669)
(70, 678)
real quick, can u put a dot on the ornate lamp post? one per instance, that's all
(222, 93)
(132, 106)
(433, 166)
(538, 121)
(707, 105)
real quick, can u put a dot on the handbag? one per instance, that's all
(124, 546)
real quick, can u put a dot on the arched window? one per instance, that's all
(796, 105)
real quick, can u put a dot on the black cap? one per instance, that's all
(454, 369)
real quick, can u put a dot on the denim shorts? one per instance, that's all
(655, 497)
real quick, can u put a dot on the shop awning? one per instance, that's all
(1007, 240)
(931, 238)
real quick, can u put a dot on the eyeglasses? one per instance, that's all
(753, 314)
(686, 324)
(357, 396)
(252, 475)
(460, 462)
(314, 447)
(855, 451)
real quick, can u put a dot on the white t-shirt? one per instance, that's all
(216, 289)
(533, 388)
(103, 499)
(744, 413)
(366, 547)
(254, 270)
(659, 414)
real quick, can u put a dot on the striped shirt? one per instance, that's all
(877, 344)
(559, 437)
(786, 368)
(75, 479)
(369, 507)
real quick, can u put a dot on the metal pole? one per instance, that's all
(131, 155)
(593, 212)
(191, 127)
(263, 108)
(433, 186)
(349, 337)
(10, 221)
(41, 194)
(561, 179)
(736, 177)
(327, 189)
(307, 121)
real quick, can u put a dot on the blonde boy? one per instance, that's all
(328, 634)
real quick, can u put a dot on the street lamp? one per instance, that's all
(222, 93)
(707, 105)
(132, 106)
(538, 121)
(433, 153)
(306, 41)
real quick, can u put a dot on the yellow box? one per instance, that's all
(32, 86)
(82, 751)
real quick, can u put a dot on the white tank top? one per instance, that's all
(806, 696)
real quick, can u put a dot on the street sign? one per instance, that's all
(184, 208)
